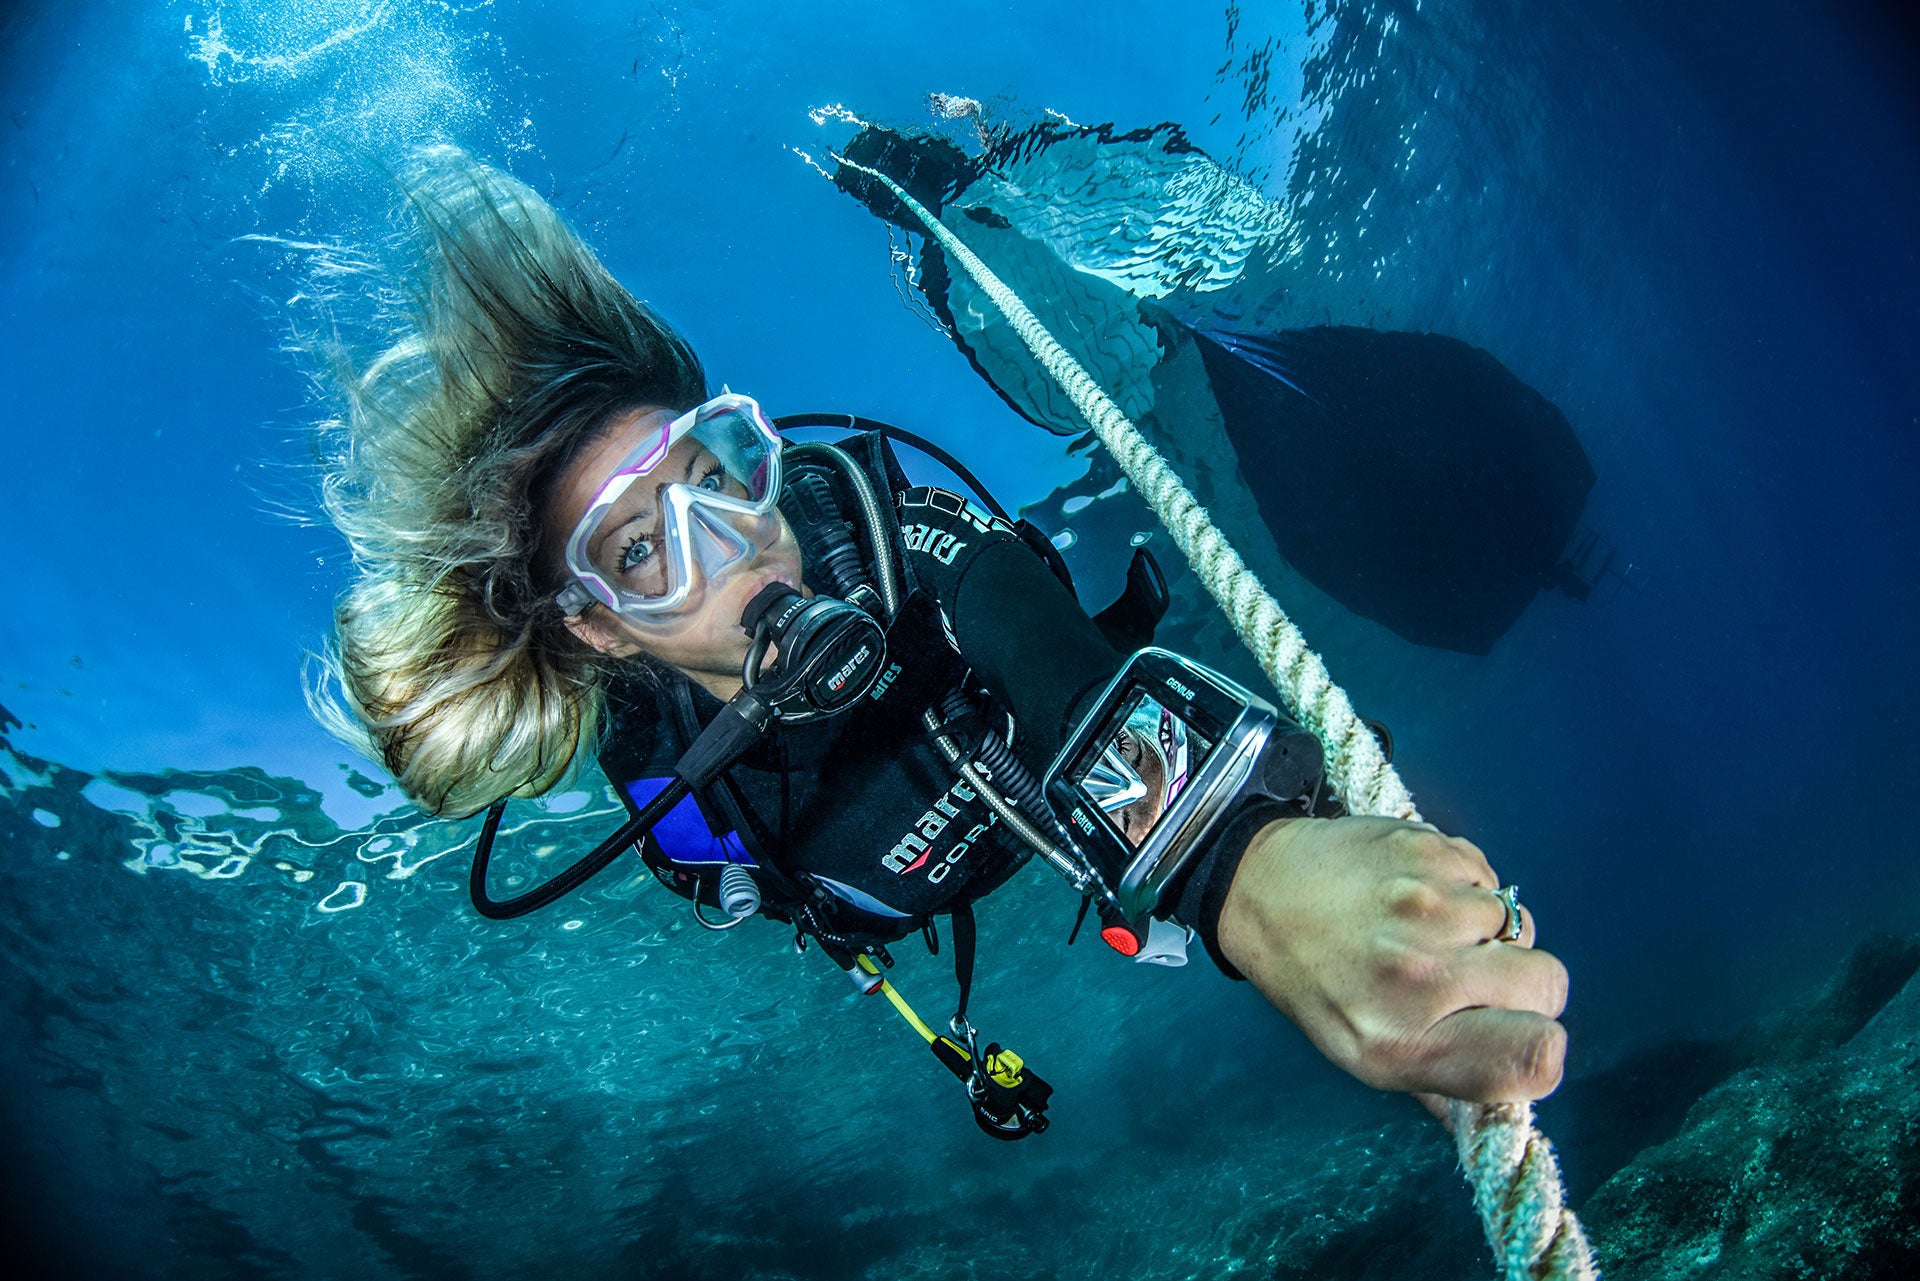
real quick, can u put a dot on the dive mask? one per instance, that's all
(694, 498)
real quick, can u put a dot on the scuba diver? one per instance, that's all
(833, 698)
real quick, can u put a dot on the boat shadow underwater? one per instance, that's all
(1411, 477)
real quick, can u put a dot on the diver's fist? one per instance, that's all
(1377, 938)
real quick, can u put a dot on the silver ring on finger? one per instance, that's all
(1509, 896)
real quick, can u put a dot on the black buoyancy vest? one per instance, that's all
(859, 816)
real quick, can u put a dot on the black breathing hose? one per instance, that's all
(854, 422)
(1003, 769)
(574, 877)
(826, 539)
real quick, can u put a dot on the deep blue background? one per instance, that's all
(1689, 226)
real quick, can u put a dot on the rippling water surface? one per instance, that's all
(251, 1027)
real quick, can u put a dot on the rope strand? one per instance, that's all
(1510, 1164)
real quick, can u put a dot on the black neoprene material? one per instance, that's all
(1203, 890)
(1029, 641)
(965, 940)
(849, 791)
(874, 815)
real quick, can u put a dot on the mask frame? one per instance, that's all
(703, 532)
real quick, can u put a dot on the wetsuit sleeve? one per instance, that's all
(1015, 623)
(1202, 891)
(1026, 636)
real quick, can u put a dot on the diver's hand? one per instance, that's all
(1375, 937)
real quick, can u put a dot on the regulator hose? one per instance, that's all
(996, 759)
(574, 877)
(826, 540)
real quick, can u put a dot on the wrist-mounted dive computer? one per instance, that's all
(1160, 761)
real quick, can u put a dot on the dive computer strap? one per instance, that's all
(1197, 899)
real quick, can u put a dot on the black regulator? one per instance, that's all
(827, 653)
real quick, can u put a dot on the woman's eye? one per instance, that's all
(635, 554)
(715, 480)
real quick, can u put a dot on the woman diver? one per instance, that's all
(563, 542)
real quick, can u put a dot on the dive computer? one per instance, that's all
(1164, 755)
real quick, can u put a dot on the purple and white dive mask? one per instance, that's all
(694, 499)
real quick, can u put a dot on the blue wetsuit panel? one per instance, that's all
(683, 834)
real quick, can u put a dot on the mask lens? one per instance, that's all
(688, 501)
(635, 559)
(735, 439)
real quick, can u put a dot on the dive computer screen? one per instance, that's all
(1163, 752)
(1141, 760)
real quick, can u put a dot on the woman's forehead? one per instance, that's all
(624, 433)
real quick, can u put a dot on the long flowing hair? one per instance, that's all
(508, 348)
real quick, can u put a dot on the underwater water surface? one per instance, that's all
(249, 1024)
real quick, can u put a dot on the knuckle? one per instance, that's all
(1402, 967)
(1544, 1060)
(1414, 899)
(1436, 852)
(1473, 861)
(1420, 841)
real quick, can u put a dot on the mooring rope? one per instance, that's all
(1510, 1164)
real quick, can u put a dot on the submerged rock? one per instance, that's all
(1803, 1163)
(1789, 1150)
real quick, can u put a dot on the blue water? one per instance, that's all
(252, 1028)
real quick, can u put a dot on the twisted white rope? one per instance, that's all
(1516, 1181)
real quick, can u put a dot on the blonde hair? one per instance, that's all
(508, 348)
